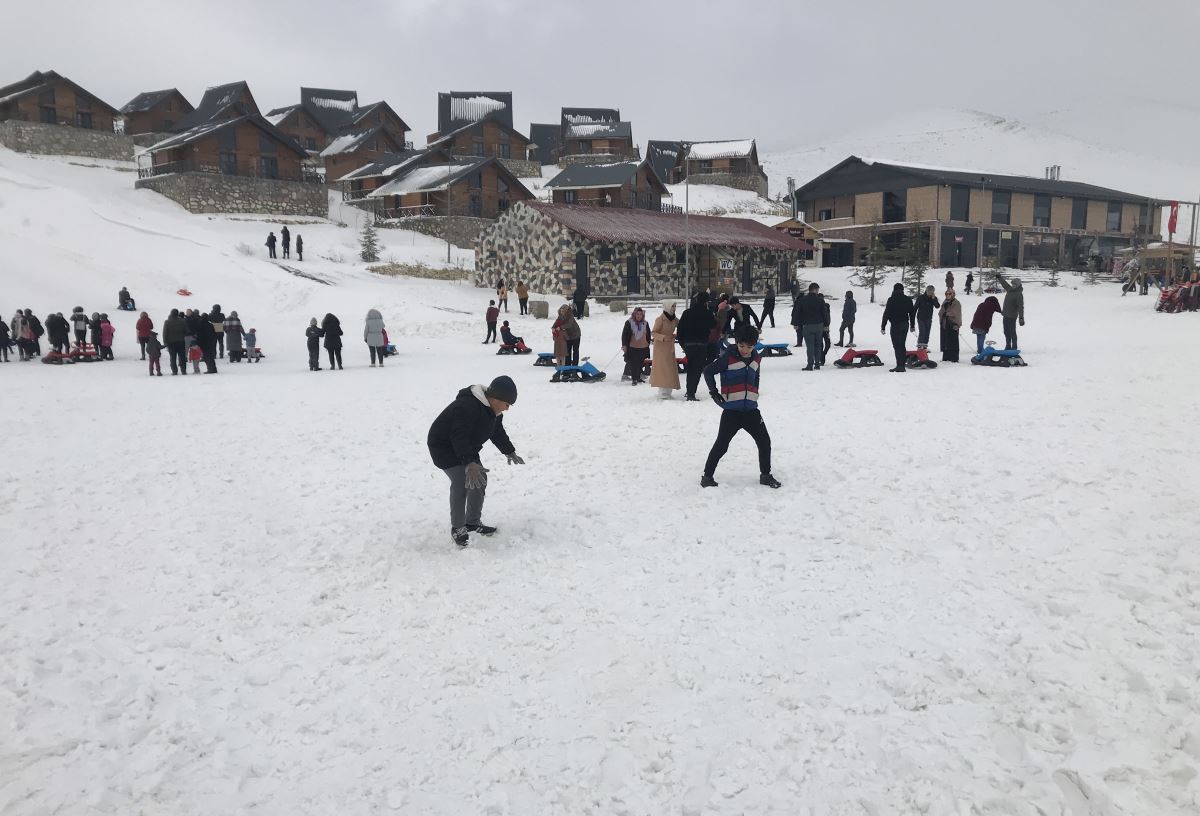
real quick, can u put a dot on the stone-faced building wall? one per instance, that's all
(56, 140)
(216, 193)
(754, 182)
(463, 230)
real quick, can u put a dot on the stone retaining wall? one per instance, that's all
(215, 193)
(463, 229)
(522, 169)
(755, 184)
(61, 140)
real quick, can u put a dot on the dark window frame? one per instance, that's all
(504, 150)
(1079, 213)
(604, 254)
(895, 206)
(680, 255)
(475, 180)
(268, 167)
(227, 162)
(1114, 208)
(1006, 197)
(310, 143)
(47, 115)
(960, 203)
(83, 119)
(825, 214)
(1042, 205)
(82, 102)
(570, 196)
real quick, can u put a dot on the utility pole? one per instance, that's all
(687, 240)
(450, 161)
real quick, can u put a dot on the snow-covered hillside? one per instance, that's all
(977, 140)
(976, 592)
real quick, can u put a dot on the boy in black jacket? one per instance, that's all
(455, 439)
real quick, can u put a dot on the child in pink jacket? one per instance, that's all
(106, 338)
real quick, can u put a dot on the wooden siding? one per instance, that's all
(66, 112)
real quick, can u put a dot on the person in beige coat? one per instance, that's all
(559, 333)
(664, 374)
(950, 320)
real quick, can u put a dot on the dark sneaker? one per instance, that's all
(708, 481)
(692, 398)
(769, 480)
(482, 529)
(460, 535)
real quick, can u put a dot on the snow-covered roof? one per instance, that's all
(732, 149)
(342, 144)
(473, 107)
(336, 104)
(275, 117)
(430, 179)
(388, 165)
(593, 130)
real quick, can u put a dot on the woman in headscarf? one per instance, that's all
(950, 320)
(664, 374)
(635, 343)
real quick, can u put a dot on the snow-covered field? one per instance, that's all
(978, 591)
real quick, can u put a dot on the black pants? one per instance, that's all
(924, 325)
(825, 344)
(573, 351)
(899, 342)
(846, 325)
(524, 304)
(335, 356)
(768, 311)
(314, 356)
(4, 349)
(949, 345)
(491, 333)
(210, 358)
(578, 307)
(142, 341)
(635, 363)
(272, 249)
(177, 353)
(376, 351)
(733, 421)
(697, 356)
(221, 343)
(1010, 333)
(287, 250)
(80, 335)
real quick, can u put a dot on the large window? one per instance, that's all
(83, 119)
(1113, 223)
(477, 148)
(1001, 206)
(476, 182)
(1144, 224)
(960, 203)
(505, 151)
(476, 206)
(228, 163)
(570, 196)
(82, 102)
(47, 112)
(310, 143)
(895, 205)
(1079, 208)
(1041, 210)
(825, 214)
(268, 167)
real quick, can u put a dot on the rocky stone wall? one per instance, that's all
(61, 140)
(522, 169)
(464, 230)
(753, 183)
(214, 193)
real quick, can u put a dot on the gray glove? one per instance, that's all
(476, 476)
(513, 459)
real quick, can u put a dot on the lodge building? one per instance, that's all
(971, 218)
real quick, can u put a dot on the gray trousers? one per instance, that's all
(812, 342)
(466, 506)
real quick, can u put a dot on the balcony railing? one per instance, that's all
(243, 168)
(638, 203)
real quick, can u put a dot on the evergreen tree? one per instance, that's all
(914, 253)
(369, 244)
(1053, 265)
(873, 267)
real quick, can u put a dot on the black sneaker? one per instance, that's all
(769, 480)
(460, 536)
(482, 529)
(707, 481)
(692, 398)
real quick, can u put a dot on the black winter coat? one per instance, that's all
(314, 335)
(333, 332)
(926, 305)
(192, 322)
(206, 337)
(809, 309)
(694, 324)
(899, 310)
(458, 433)
(828, 317)
(58, 328)
(174, 330)
(734, 321)
(849, 309)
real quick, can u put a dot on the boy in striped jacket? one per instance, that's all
(738, 397)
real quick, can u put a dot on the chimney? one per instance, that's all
(792, 196)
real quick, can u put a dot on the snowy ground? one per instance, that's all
(976, 593)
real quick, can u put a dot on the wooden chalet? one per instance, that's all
(52, 99)
(353, 150)
(667, 159)
(471, 187)
(247, 146)
(326, 114)
(621, 184)
(358, 184)
(489, 136)
(595, 132)
(220, 102)
(155, 111)
(731, 162)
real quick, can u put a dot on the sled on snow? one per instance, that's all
(773, 349)
(517, 348)
(544, 358)
(680, 365)
(918, 359)
(126, 307)
(858, 358)
(85, 353)
(249, 355)
(999, 358)
(56, 358)
(578, 373)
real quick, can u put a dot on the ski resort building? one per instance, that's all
(155, 111)
(474, 124)
(218, 103)
(621, 184)
(354, 150)
(51, 99)
(594, 136)
(974, 218)
(325, 115)
(618, 251)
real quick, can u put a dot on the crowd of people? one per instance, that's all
(284, 239)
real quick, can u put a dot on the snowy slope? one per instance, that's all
(975, 592)
(977, 140)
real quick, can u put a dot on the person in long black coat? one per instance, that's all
(206, 339)
(174, 338)
(695, 325)
(332, 327)
(768, 307)
(901, 313)
(271, 244)
(286, 237)
(314, 333)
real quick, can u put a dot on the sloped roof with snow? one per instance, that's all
(40, 81)
(206, 129)
(593, 176)
(731, 149)
(456, 108)
(350, 142)
(276, 116)
(600, 130)
(429, 179)
(333, 109)
(367, 110)
(390, 164)
(646, 227)
(664, 156)
(148, 99)
(215, 100)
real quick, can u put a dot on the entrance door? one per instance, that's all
(581, 270)
(747, 276)
(632, 284)
(785, 277)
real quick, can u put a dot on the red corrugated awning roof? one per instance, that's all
(636, 226)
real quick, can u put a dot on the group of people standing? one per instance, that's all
(25, 330)
(329, 330)
(196, 337)
(285, 238)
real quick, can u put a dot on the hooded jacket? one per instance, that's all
(144, 326)
(849, 309)
(899, 310)
(174, 330)
(982, 321)
(457, 435)
(926, 304)
(373, 330)
(1014, 298)
(696, 322)
(333, 332)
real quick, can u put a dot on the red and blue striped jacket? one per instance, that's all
(739, 379)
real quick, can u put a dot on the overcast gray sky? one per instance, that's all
(783, 71)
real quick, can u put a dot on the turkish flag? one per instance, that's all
(1173, 221)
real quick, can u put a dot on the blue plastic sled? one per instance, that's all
(1001, 358)
(578, 373)
(773, 349)
(544, 358)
